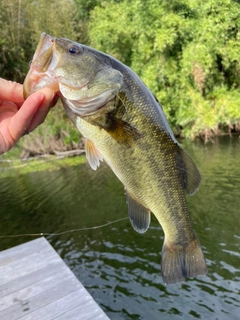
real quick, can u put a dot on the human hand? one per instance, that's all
(19, 117)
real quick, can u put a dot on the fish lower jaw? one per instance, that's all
(99, 108)
(85, 108)
(37, 81)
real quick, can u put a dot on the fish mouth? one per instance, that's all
(41, 74)
(84, 94)
(41, 67)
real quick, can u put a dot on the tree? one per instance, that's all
(21, 24)
(186, 51)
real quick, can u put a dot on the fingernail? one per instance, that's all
(40, 97)
(49, 95)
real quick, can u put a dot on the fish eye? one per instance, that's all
(74, 49)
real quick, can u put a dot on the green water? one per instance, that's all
(120, 268)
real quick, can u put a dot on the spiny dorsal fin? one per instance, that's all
(192, 176)
(92, 154)
(139, 216)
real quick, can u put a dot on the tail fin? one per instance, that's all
(180, 262)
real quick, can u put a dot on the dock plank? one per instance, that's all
(47, 286)
(38, 260)
(29, 279)
(35, 283)
(58, 307)
(91, 312)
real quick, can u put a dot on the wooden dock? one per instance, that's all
(35, 284)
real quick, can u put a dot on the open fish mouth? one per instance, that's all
(54, 66)
(40, 73)
(42, 68)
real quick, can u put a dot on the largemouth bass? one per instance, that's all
(124, 125)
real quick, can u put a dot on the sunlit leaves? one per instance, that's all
(21, 24)
(186, 51)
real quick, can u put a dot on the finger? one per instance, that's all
(20, 122)
(43, 109)
(7, 107)
(11, 91)
(54, 101)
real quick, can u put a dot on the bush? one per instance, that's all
(187, 52)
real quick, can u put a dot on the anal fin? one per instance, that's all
(139, 216)
(92, 154)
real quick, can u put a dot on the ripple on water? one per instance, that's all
(120, 268)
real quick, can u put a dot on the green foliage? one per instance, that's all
(61, 127)
(186, 51)
(85, 6)
(21, 24)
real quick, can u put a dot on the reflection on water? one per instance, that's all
(120, 268)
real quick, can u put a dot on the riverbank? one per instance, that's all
(13, 167)
(58, 137)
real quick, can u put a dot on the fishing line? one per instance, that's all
(63, 232)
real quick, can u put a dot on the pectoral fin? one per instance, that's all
(120, 130)
(92, 154)
(191, 175)
(123, 132)
(139, 216)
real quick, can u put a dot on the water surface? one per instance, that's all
(120, 268)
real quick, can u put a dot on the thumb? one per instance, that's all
(43, 108)
(21, 121)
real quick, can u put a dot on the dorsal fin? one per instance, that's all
(139, 216)
(192, 176)
(92, 154)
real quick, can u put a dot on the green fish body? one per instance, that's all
(124, 125)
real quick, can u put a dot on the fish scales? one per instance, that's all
(124, 125)
(148, 179)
